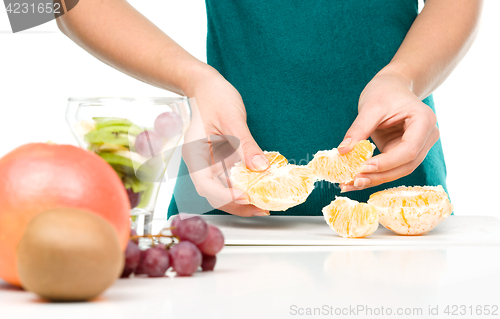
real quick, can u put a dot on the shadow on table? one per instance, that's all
(265, 222)
(8, 287)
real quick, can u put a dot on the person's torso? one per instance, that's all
(300, 67)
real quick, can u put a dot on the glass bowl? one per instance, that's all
(137, 137)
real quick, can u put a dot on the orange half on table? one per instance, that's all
(411, 210)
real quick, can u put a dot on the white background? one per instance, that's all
(40, 68)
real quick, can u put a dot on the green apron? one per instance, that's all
(300, 67)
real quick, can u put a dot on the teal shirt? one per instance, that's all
(300, 67)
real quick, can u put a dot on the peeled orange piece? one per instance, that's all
(280, 187)
(351, 219)
(411, 210)
(341, 168)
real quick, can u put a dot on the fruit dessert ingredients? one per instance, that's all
(68, 255)
(194, 244)
(37, 177)
(280, 187)
(351, 219)
(114, 140)
(341, 168)
(127, 147)
(411, 210)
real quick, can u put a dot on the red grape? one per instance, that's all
(213, 243)
(156, 262)
(186, 258)
(193, 229)
(168, 124)
(132, 256)
(208, 262)
(134, 233)
(140, 268)
(175, 220)
(126, 272)
(173, 224)
(149, 143)
(134, 198)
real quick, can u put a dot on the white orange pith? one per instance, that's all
(280, 187)
(411, 210)
(341, 168)
(351, 219)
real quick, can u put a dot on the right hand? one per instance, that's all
(222, 112)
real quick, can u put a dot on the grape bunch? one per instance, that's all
(196, 245)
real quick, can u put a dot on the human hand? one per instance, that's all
(403, 128)
(217, 138)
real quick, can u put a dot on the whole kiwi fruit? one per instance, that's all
(69, 255)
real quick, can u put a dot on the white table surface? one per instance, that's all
(269, 281)
(313, 230)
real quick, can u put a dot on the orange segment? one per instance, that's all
(351, 219)
(412, 210)
(280, 187)
(341, 168)
(276, 158)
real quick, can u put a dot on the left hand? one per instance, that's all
(403, 128)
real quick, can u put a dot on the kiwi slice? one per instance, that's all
(113, 131)
(146, 195)
(92, 137)
(136, 130)
(134, 183)
(101, 122)
(124, 165)
(120, 174)
(116, 134)
(110, 148)
(119, 163)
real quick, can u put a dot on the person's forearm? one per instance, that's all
(120, 36)
(438, 39)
